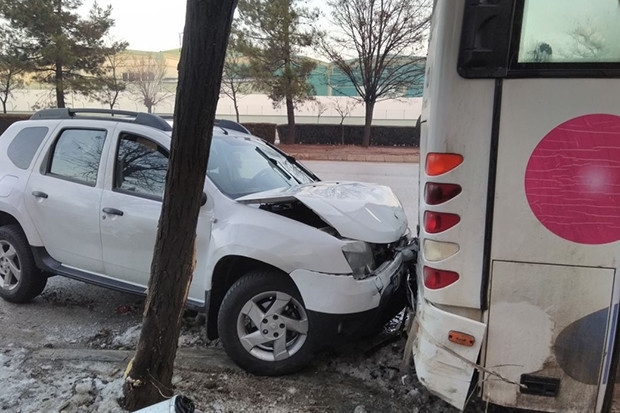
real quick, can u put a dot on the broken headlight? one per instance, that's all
(360, 258)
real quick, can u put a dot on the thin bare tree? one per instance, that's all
(377, 46)
(343, 108)
(112, 81)
(235, 77)
(146, 79)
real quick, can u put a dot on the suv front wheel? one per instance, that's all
(264, 326)
(20, 279)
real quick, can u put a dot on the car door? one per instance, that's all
(64, 193)
(131, 205)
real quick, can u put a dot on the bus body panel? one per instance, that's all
(522, 129)
(471, 139)
(544, 331)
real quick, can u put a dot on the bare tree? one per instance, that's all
(376, 46)
(112, 80)
(344, 107)
(207, 27)
(146, 79)
(235, 78)
(321, 108)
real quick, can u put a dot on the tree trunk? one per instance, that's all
(370, 106)
(290, 115)
(235, 104)
(207, 27)
(60, 88)
(4, 106)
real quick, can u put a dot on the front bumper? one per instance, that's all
(341, 304)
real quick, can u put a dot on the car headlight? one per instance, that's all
(359, 256)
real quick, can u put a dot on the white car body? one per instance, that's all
(105, 235)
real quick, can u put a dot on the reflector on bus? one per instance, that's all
(435, 279)
(440, 163)
(436, 193)
(435, 222)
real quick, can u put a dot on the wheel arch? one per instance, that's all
(226, 272)
(9, 216)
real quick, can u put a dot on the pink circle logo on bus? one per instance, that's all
(572, 180)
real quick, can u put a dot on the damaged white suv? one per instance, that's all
(285, 262)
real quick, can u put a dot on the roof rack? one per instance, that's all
(140, 118)
(232, 125)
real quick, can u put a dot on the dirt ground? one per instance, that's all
(67, 351)
(353, 153)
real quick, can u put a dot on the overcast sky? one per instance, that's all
(151, 25)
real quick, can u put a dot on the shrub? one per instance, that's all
(8, 120)
(352, 135)
(267, 131)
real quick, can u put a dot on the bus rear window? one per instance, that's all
(570, 31)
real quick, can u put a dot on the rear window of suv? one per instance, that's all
(25, 144)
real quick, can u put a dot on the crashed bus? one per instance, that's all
(517, 276)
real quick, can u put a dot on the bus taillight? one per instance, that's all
(435, 222)
(436, 193)
(440, 163)
(435, 279)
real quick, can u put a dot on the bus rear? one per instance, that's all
(520, 204)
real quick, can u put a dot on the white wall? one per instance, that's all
(252, 108)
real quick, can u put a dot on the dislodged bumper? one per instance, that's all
(343, 294)
(445, 368)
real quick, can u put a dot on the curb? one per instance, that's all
(203, 359)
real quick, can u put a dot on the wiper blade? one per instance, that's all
(276, 165)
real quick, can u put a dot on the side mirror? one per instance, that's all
(203, 199)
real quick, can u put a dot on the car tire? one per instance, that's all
(263, 325)
(20, 279)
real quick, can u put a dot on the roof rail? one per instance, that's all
(232, 125)
(140, 118)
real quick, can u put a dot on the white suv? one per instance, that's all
(285, 261)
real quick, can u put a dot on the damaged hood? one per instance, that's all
(361, 211)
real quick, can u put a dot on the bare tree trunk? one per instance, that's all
(207, 27)
(60, 88)
(290, 115)
(235, 104)
(370, 106)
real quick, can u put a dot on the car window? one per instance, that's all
(240, 166)
(76, 155)
(140, 166)
(24, 145)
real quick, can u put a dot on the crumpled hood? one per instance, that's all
(362, 211)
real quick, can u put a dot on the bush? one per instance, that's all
(267, 131)
(8, 120)
(352, 135)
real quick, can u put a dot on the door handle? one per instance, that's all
(113, 211)
(39, 194)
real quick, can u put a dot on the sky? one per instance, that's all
(150, 25)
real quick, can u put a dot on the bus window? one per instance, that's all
(570, 31)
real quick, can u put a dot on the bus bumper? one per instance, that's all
(443, 367)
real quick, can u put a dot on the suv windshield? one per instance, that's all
(239, 166)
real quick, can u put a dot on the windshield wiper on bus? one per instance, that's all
(276, 165)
